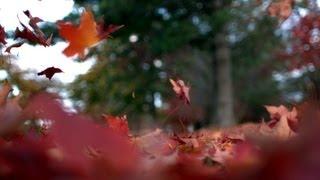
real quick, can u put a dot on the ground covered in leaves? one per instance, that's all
(64, 144)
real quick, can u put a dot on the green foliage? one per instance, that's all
(125, 79)
(254, 66)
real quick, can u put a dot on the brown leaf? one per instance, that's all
(15, 45)
(35, 36)
(2, 36)
(49, 72)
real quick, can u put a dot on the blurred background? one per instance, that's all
(233, 55)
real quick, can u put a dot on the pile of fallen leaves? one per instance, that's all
(43, 140)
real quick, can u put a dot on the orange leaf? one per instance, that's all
(118, 124)
(84, 36)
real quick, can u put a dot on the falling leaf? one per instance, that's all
(181, 90)
(2, 36)
(33, 23)
(84, 36)
(35, 36)
(49, 72)
(15, 45)
(26, 33)
(105, 31)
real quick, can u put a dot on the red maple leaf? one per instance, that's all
(118, 124)
(49, 72)
(84, 36)
(181, 90)
(2, 36)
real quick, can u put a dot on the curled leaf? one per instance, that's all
(15, 45)
(35, 36)
(181, 90)
(283, 122)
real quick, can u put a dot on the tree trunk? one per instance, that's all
(224, 113)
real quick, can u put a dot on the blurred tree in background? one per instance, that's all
(227, 51)
(21, 85)
(223, 49)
